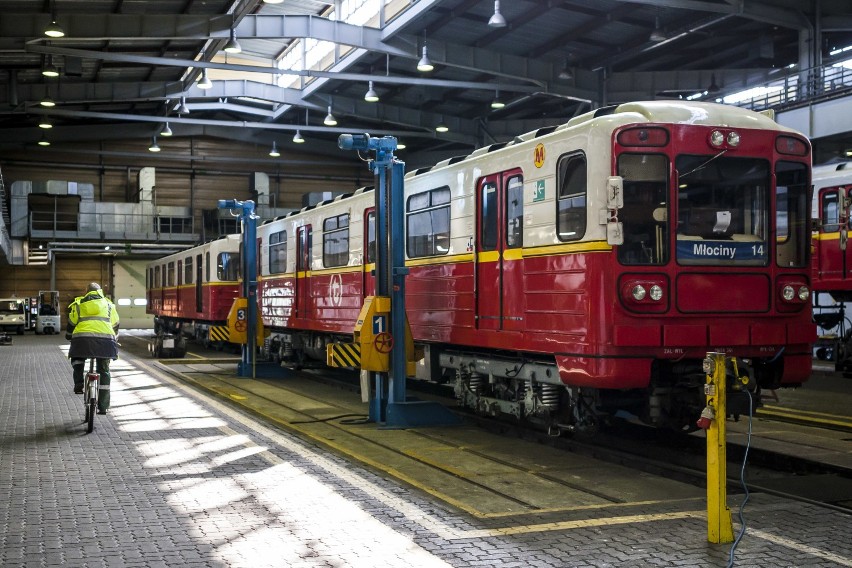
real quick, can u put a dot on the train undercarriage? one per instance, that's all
(530, 389)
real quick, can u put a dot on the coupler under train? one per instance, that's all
(168, 346)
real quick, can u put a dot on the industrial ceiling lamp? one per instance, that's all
(182, 108)
(274, 150)
(47, 101)
(233, 46)
(44, 141)
(205, 82)
(45, 123)
(153, 147)
(272, 1)
(424, 64)
(400, 145)
(442, 127)
(497, 20)
(329, 118)
(297, 138)
(53, 29)
(497, 103)
(371, 96)
(658, 34)
(50, 69)
(166, 131)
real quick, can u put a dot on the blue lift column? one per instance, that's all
(248, 262)
(396, 411)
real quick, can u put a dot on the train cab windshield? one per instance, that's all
(722, 210)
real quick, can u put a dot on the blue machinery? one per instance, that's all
(244, 311)
(388, 402)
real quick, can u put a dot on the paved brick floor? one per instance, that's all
(173, 478)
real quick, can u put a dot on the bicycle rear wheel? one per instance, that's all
(91, 408)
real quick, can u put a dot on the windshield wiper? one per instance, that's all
(703, 165)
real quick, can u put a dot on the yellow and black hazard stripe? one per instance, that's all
(343, 355)
(219, 333)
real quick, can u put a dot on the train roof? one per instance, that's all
(832, 174)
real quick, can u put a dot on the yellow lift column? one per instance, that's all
(719, 525)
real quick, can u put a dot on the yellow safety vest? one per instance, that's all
(93, 315)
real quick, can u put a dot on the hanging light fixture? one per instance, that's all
(153, 147)
(497, 20)
(50, 69)
(497, 103)
(274, 150)
(424, 64)
(297, 138)
(329, 118)
(233, 46)
(658, 34)
(205, 82)
(45, 123)
(442, 127)
(182, 108)
(400, 145)
(272, 1)
(371, 95)
(47, 101)
(166, 131)
(44, 141)
(53, 29)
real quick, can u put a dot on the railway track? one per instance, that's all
(673, 456)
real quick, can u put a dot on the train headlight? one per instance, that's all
(717, 138)
(656, 293)
(804, 293)
(733, 139)
(788, 293)
(638, 292)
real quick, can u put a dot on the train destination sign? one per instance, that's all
(721, 250)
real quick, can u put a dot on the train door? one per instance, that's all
(499, 292)
(178, 291)
(199, 286)
(368, 283)
(832, 251)
(303, 271)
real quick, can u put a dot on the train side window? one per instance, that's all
(170, 274)
(158, 283)
(488, 225)
(228, 267)
(428, 223)
(515, 212)
(187, 270)
(371, 237)
(791, 214)
(335, 241)
(278, 252)
(830, 212)
(571, 202)
(645, 212)
(207, 266)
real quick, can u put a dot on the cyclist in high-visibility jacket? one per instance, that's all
(93, 329)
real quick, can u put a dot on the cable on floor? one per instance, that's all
(743, 482)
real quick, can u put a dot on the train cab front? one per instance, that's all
(715, 257)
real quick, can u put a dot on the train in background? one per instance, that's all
(577, 270)
(191, 292)
(832, 262)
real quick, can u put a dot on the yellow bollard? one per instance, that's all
(719, 526)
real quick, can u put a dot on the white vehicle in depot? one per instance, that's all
(13, 316)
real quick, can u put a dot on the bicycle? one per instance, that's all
(91, 385)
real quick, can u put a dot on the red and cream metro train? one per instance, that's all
(577, 270)
(832, 260)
